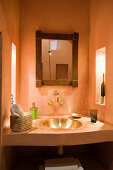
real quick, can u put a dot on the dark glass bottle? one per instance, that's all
(103, 91)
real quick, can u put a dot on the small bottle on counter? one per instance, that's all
(33, 110)
(103, 91)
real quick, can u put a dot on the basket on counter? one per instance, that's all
(20, 124)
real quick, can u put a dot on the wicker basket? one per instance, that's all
(20, 124)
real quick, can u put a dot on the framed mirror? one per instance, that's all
(56, 59)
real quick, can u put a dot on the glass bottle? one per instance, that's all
(103, 91)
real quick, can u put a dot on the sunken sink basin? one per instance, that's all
(60, 123)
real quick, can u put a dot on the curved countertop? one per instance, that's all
(39, 136)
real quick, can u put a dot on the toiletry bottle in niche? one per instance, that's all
(103, 91)
(33, 110)
(12, 99)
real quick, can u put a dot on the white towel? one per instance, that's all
(73, 167)
(16, 110)
(80, 168)
(63, 164)
(79, 164)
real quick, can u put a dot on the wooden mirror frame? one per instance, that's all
(39, 66)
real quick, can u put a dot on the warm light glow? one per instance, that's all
(7, 124)
(53, 44)
(100, 70)
(13, 72)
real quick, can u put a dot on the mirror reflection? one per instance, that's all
(57, 59)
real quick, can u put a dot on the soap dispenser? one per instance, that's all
(33, 110)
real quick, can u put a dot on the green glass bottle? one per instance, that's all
(103, 91)
(33, 110)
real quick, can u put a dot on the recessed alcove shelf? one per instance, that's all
(100, 70)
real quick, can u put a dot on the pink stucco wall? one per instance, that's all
(60, 17)
(9, 26)
(101, 35)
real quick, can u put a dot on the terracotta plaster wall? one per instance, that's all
(59, 16)
(9, 26)
(101, 35)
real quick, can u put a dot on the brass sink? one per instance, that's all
(60, 123)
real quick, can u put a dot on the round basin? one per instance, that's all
(60, 123)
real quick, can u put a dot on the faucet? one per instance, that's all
(56, 93)
(50, 102)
